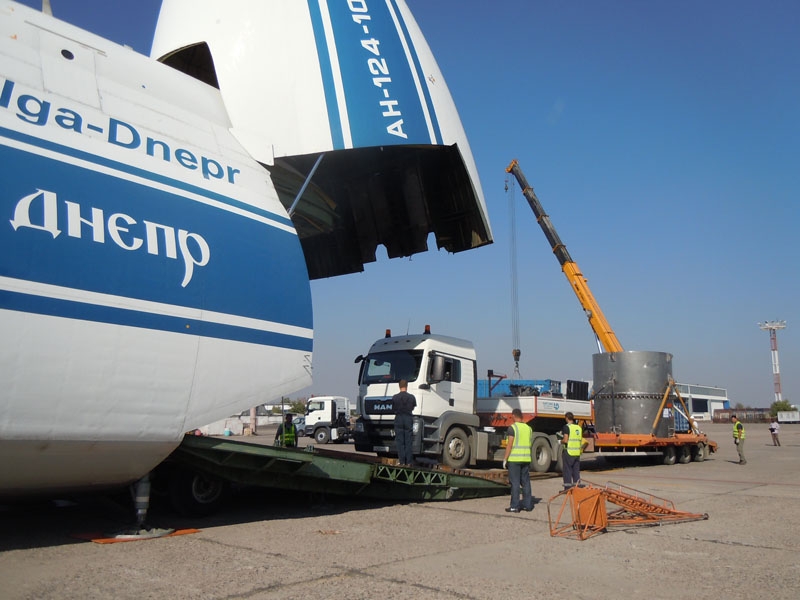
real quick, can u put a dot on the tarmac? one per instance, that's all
(268, 544)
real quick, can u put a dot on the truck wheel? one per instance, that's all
(699, 452)
(195, 494)
(670, 455)
(456, 449)
(321, 436)
(685, 455)
(541, 455)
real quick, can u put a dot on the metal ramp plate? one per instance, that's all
(329, 472)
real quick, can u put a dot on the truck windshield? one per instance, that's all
(391, 367)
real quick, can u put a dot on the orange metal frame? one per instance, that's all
(584, 511)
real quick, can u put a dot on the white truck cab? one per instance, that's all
(441, 375)
(451, 424)
(328, 419)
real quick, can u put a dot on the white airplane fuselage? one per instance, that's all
(150, 280)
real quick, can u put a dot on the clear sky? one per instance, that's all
(663, 139)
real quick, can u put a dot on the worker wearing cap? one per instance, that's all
(573, 444)
(518, 461)
(738, 438)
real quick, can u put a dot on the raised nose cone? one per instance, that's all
(344, 102)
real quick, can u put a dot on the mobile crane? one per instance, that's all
(632, 395)
(632, 412)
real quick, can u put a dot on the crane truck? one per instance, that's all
(454, 426)
(635, 396)
(636, 408)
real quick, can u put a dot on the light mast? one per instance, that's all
(772, 327)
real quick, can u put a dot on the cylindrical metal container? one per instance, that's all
(628, 390)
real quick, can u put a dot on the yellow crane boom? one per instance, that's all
(606, 337)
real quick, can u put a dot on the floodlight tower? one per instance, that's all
(772, 327)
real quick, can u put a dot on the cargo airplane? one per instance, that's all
(162, 216)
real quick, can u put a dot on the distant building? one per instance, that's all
(746, 415)
(703, 401)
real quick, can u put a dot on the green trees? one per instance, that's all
(296, 406)
(783, 405)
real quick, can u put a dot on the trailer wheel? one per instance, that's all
(670, 455)
(455, 453)
(685, 454)
(699, 452)
(541, 455)
(321, 436)
(196, 494)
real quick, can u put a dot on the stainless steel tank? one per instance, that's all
(628, 390)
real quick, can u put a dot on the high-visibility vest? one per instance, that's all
(521, 450)
(575, 439)
(736, 432)
(289, 435)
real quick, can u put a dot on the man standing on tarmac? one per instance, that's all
(518, 461)
(403, 405)
(738, 438)
(573, 443)
(775, 430)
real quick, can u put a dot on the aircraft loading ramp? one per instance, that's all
(315, 470)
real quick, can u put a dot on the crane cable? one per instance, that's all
(516, 352)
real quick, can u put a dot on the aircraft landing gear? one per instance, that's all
(140, 491)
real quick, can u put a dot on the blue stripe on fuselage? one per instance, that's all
(383, 104)
(328, 87)
(132, 318)
(421, 74)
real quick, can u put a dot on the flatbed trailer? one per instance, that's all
(679, 447)
(454, 426)
(545, 415)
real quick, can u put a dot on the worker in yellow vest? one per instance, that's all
(286, 435)
(518, 461)
(738, 438)
(573, 444)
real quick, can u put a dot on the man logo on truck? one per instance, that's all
(379, 407)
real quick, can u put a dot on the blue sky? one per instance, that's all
(663, 139)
